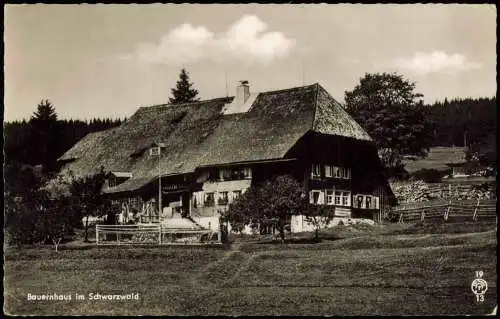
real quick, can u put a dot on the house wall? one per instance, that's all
(359, 158)
(216, 187)
(365, 179)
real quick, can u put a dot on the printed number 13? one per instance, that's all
(480, 298)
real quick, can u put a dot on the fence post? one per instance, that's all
(474, 217)
(159, 234)
(97, 234)
(219, 233)
(447, 212)
(422, 215)
(401, 218)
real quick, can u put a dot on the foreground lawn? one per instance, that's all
(405, 270)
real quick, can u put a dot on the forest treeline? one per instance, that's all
(459, 121)
(21, 138)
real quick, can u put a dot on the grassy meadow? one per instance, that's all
(382, 270)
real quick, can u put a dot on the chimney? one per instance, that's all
(242, 92)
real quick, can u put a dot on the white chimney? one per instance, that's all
(242, 92)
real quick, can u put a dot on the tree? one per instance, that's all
(184, 91)
(275, 201)
(484, 151)
(387, 107)
(20, 180)
(55, 221)
(87, 194)
(44, 134)
(319, 216)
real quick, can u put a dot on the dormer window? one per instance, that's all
(156, 149)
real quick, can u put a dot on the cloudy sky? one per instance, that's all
(106, 60)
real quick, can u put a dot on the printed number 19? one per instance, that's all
(479, 274)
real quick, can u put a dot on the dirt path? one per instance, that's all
(243, 267)
(216, 263)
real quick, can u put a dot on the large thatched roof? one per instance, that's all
(199, 134)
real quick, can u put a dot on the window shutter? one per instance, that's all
(321, 198)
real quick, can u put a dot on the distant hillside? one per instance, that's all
(437, 159)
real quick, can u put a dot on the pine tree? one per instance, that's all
(184, 91)
(44, 135)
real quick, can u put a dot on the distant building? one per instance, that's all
(212, 151)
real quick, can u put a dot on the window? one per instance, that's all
(338, 196)
(329, 196)
(236, 194)
(341, 172)
(360, 201)
(225, 175)
(213, 176)
(223, 199)
(247, 173)
(316, 171)
(314, 197)
(329, 171)
(338, 172)
(342, 198)
(369, 204)
(209, 199)
(154, 151)
(231, 174)
(346, 199)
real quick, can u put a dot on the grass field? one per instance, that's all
(382, 270)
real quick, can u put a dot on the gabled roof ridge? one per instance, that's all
(186, 104)
(288, 89)
(227, 97)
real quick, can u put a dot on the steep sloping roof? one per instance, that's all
(199, 134)
(85, 145)
(332, 119)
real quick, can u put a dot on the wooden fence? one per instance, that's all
(152, 235)
(452, 210)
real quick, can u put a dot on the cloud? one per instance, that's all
(434, 62)
(247, 39)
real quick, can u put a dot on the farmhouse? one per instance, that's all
(209, 152)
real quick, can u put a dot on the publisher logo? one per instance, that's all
(479, 286)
